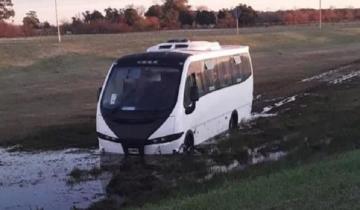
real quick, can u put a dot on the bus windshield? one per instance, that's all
(141, 88)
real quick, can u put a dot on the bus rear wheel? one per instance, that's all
(233, 123)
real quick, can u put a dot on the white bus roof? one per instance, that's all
(197, 47)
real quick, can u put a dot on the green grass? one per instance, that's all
(330, 184)
(26, 51)
(51, 102)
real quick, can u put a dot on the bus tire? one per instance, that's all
(189, 143)
(233, 123)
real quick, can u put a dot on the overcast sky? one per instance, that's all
(70, 8)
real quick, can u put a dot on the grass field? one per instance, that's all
(48, 100)
(45, 86)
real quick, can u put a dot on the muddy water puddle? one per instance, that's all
(337, 75)
(40, 180)
(43, 180)
(250, 157)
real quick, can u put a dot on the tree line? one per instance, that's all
(178, 14)
(171, 14)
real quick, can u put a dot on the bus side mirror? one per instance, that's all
(98, 93)
(194, 94)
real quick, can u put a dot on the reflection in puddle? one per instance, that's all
(277, 103)
(343, 78)
(259, 155)
(40, 180)
(256, 116)
(335, 76)
(255, 156)
(226, 168)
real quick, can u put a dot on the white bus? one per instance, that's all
(173, 97)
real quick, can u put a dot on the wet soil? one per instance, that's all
(322, 118)
(313, 124)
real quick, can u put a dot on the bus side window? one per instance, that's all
(224, 72)
(210, 76)
(197, 69)
(188, 84)
(246, 66)
(200, 83)
(235, 65)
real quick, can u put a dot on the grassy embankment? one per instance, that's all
(48, 91)
(330, 184)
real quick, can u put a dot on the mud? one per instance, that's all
(285, 130)
(288, 130)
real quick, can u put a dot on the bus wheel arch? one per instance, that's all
(234, 121)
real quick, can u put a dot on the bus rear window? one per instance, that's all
(241, 68)
(211, 75)
(245, 67)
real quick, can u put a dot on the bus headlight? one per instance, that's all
(166, 139)
(109, 138)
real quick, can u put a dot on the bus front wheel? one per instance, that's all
(188, 146)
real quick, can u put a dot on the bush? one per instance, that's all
(96, 27)
(228, 22)
(9, 30)
(148, 24)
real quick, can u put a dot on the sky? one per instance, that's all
(70, 8)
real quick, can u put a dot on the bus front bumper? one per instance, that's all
(164, 145)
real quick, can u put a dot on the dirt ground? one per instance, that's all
(306, 107)
(48, 92)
